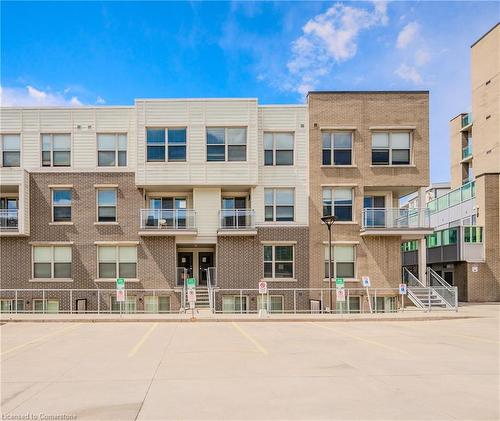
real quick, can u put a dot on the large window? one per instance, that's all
(391, 148)
(338, 202)
(343, 261)
(337, 148)
(176, 140)
(384, 304)
(156, 304)
(129, 306)
(155, 144)
(11, 150)
(279, 261)
(106, 205)
(278, 148)
(279, 204)
(112, 150)
(61, 205)
(226, 144)
(234, 304)
(56, 150)
(45, 306)
(52, 262)
(8, 305)
(117, 262)
(275, 303)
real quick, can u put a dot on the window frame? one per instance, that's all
(334, 261)
(51, 150)
(274, 149)
(390, 149)
(166, 144)
(116, 149)
(275, 206)
(260, 302)
(45, 305)
(98, 189)
(52, 262)
(226, 144)
(53, 205)
(2, 150)
(332, 148)
(332, 190)
(157, 304)
(234, 297)
(117, 261)
(274, 262)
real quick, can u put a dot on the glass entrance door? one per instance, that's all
(185, 260)
(206, 260)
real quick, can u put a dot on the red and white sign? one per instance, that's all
(191, 292)
(262, 287)
(341, 295)
(120, 295)
(403, 289)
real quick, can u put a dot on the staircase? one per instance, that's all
(426, 298)
(202, 298)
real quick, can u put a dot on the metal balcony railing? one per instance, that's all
(168, 219)
(9, 219)
(236, 219)
(395, 218)
(467, 151)
(466, 119)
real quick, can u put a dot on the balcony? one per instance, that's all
(237, 222)
(395, 221)
(466, 120)
(168, 222)
(467, 151)
(9, 220)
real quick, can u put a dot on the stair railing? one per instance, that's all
(447, 293)
(414, 285)
(209, 288)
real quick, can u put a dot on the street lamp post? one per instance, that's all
(329, 220)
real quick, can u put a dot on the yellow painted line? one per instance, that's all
(250, 338)
(41, 338)
(359, 338)
(142, 340)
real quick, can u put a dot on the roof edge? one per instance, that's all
(485, 34)
(370, 92)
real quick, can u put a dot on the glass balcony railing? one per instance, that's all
(168, 219)
(236, 219)
(394, 218)
(467, 151)
(466, 119)
(453, 198)
(9, 219)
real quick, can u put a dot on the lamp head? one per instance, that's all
(329, 220)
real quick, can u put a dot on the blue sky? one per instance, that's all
(110, 53)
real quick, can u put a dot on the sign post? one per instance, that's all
(191, 294)
(403, 290)
(120, 292)
(365, 280)
(262, 292)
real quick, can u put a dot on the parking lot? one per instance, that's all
(380, 370)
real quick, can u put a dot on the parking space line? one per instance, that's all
(250, 338)
(41, 338)
(359, 338)
(138, 345)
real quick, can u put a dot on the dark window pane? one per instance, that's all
(42, 270)
(327, 157)
(176, 136)
(284, 213)
(215, 136)
(62, 159)
(156, 153)
(284, 157)
(107, 214)
(122, 158)
(236, 153)
(155, 136)
(46, 159)
(62, 213)
(176, 153)
(268, 157)
(269, 213)
(127, 270)
(106, 159)
(342, 157)
(345, 270)
(327, 210)
(268, 270)
(283, 270)
(380, 156)
(268, 253)
(343, 213)
(107, 270)
(283, 253)
(62, 197)
(62, 270)
(11, 159)
(400, 156)
(331, 267)
(216, 153)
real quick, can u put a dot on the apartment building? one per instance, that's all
(225, 191)
(366, 150)
(464, 248)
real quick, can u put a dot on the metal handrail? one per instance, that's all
(169, 219)
(411, 280)
(236, 218)
(209, 288)
(442, 288)
(9, 218)
(395, 218)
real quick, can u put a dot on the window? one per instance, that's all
(473, 234)
(449, 236)
(156, 304)
(338, 202)
(52, 262)
(106, 205)
(278, 261)
(278, 148)
(337, 148)
(391, 148)
(384, 304)
(56, 150)
(155, 143)
(234, 304)
(176, 144)
(61, 205)
(434, 239)
(45, 306)
(275, 303)
(117, 262)
(11, 150)
(112, 150)
(343, 261)
(350, 305)
(226, 144)
(8, 305)
(279, 204)
(129, 306)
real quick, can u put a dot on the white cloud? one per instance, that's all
(99, 100)
(409, 73)
(408, 34)
(422, 57)
(329, 38)
(31, 96)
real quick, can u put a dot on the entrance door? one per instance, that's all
(206, 260)
(448, 277)
(185, 260)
